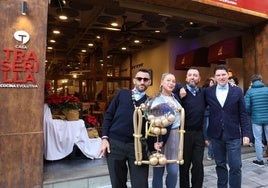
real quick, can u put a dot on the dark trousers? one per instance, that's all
(122, 158)
(228, 152)
(193, 153)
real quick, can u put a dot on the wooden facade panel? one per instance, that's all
(21, 112)
(21, 160)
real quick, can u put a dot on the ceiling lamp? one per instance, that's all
(114, 24)
(63, 17)
(66, 13)
(56, 32)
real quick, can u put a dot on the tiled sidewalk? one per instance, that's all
(252, 175)
(87, 173)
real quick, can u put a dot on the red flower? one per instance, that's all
(63, 103)
(70, 102)
(92, 120)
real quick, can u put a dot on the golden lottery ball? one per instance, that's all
(157, 122)
(162, 160)
(153, 160)
(165, 122)
(156, 130)
(171, 118)
(163, 131)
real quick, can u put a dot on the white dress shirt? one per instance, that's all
(221, 93)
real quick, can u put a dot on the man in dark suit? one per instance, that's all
(228, 120)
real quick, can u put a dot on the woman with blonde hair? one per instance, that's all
(170, 148)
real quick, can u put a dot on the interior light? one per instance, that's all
(136, 41)
(123, 48)
(114, 24)
(63, 17)
(90, 44)
(52, 41)
(56, 32)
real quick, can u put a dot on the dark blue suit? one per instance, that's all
(232, 117)
(226, 126)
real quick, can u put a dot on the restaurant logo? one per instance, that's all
(22, 38)
(19, 66)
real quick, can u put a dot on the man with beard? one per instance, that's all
(193, 102)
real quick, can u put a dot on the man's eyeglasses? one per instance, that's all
(144, 79)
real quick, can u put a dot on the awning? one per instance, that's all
(229, 48)
(196, 58)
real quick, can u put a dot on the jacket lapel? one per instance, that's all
(229, 94)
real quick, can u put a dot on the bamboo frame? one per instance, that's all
(137, 123)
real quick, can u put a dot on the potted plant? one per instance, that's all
(54, 103)
(70, 107)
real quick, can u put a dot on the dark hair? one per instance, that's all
(235, 79)
(193, 68)
(256, 77)
(206, 83)
(145, 71)
(220, 67)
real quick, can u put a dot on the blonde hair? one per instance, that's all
(162, 78)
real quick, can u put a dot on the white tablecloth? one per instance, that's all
(60, 136)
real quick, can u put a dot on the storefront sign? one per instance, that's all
(19, 66)
(254, 7)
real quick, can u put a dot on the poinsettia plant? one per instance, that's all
(92, 120)
(63, 102)
(54, 101)
(70, 102)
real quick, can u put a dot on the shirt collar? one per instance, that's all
(192, 88)
(138, 95)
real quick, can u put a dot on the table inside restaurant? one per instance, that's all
(60, 136)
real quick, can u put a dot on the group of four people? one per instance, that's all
(229, 123)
